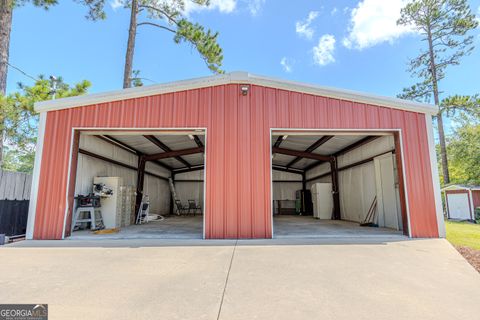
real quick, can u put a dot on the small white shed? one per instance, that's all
(461, 201)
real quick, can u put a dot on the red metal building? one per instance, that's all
(239, 113)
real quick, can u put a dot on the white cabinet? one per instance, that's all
(322, 200)
(111, 206)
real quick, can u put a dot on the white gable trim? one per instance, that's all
(457, 187)
(233, 78)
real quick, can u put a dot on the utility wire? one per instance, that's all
(22, 72)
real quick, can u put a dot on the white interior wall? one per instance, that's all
(357, 185)
(189, 190)
(285, 190)
(88, 168)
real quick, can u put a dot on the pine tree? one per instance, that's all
(20, 120)
(167, 16)
(443, 26)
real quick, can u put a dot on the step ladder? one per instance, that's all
(142, 216)
(94, 217)
(174, 193)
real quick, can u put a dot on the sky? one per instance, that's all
(346, 44)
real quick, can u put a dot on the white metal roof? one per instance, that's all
(233, 78)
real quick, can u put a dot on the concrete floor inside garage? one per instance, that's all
(147, 163)
(171, 227)
(326, 184)
(289, 226)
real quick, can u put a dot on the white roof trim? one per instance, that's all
(458, 187)
(233, 78)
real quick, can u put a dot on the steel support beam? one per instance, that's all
(183, 170)
(348, 148)
(118, 143)
(355, 164)
(278, 142)
(132, 150)
(174, 154)
(165, 148)
(304, 181)
(198, 141)
(335, 190)
(118, 163)
(302, 154)
(284, 169)
(311, 148)
(356, 145)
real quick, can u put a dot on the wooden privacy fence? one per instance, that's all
(14, 199)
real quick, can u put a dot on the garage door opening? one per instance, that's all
(337, 184)
(142, 184)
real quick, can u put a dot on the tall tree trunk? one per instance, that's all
(132, 33)
(441, 132)
(6, 10)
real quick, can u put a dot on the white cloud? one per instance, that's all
(223, 6)
(255, 6)
(373, 22)
(334, 11)
(303, 28)
(287, 64)
(323, 52)
(115, 4)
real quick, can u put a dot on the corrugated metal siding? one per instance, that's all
(476, 198)
(238, 150)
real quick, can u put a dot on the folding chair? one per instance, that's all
(180, 207)
(192, 206)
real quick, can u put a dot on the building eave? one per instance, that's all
(233, 78)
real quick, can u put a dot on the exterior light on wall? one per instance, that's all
(244, 89)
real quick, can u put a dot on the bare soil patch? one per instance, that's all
(472, 256)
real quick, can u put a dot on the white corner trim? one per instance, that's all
(234, 78)
(32, 208)
(435, 177)
(472, 208)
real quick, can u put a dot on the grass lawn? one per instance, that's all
(463, 234)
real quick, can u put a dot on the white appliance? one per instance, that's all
(111, 206)
(322, 200)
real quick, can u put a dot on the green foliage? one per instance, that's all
(444, 26)
(464, 153)
(171, 13)
(95, 9)
(136, 80)
(204, 41)
(19, 120)
(45, 4)
(169, 16)
(18, 159)
(465, 107)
